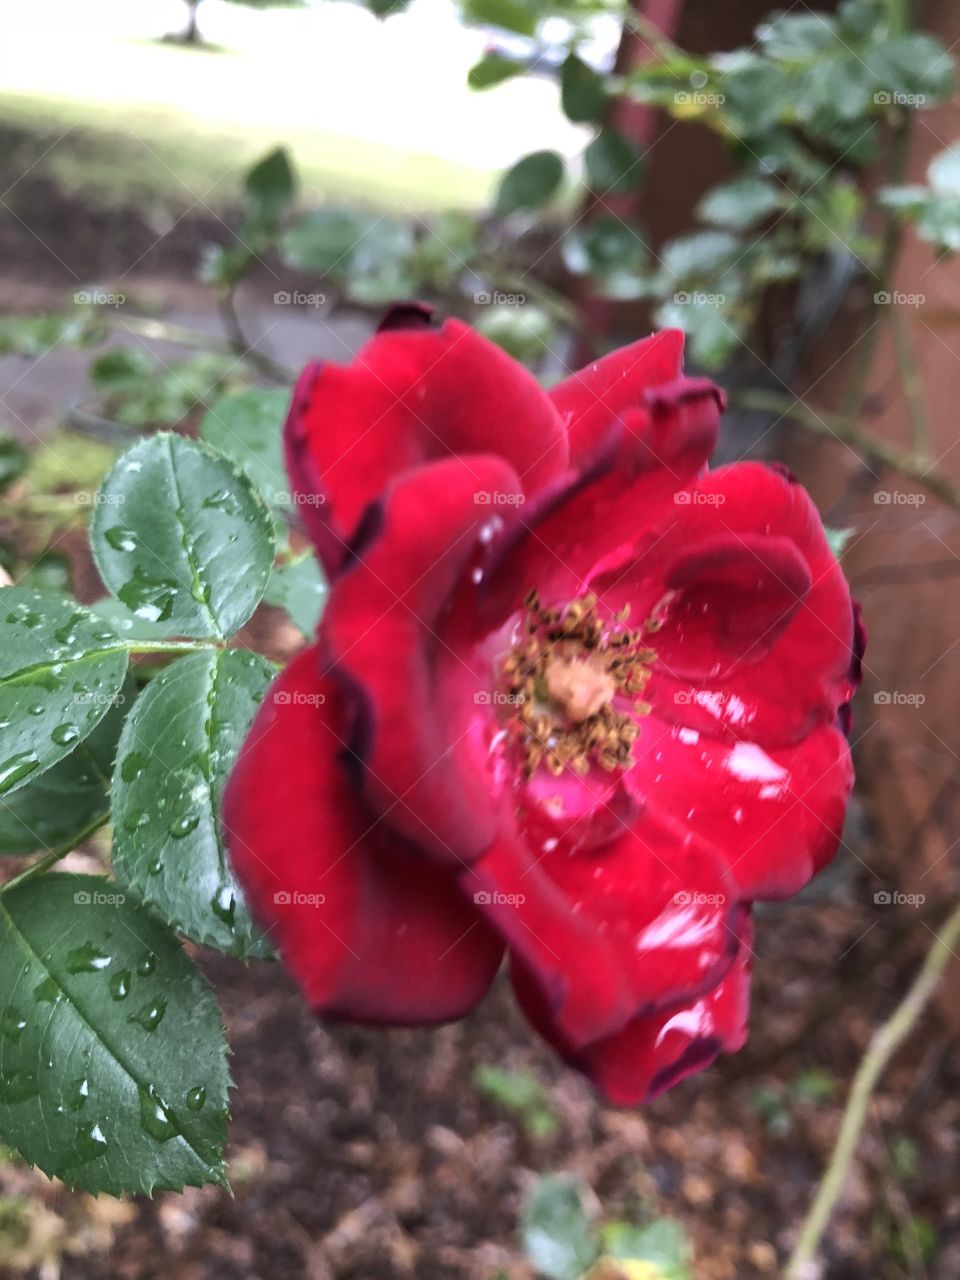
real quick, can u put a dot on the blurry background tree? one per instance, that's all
(191, 34)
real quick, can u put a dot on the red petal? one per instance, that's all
(760, 621)
(370, 931)
(776, 815)
(595, 396)
(414, 394)
(652, 1054)
(383, 625)
(613, 932)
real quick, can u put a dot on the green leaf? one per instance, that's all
(13, 460)
(614, 253)
(531, 183)
(714, 332)
(741, 204)
(140, 390)
(914, 65)
(247, 427)
(113, 1070)
(663, 1244)
(177, 747)
(271, 186)
(384, 8)
(700, 256)
(556, 1233)
(493, 68)
(757, 96)
(181, 536)
(520, 16)
(527, 333)
(35, 335)
(49, 572)
(613, 165)
(324, 240)
(798, 37)
(299, 587)
(582, 93)
(60, 670)
(53, 811)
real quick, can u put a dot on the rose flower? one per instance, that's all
(576, 700)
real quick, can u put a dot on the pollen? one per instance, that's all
(572, 682)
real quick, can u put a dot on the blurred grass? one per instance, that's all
(155, 158)
(356, 101)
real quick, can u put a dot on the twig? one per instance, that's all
(884, 1043)
(269, 367)
(912, 388)
(844, 429)
(54, 855)
(892, 238)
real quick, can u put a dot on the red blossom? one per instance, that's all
(575, 698)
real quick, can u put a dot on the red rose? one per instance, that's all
(575, 698)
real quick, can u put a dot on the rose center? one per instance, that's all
(571, 682)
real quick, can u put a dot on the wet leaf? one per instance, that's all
(177, 748)
(107, 1030)
(61, 670)
(63, 802)
(180, 536)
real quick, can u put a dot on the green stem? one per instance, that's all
(166, 331)
(170, 646)
(892, 236)
(269, 367)
(912, 388)
(843, 428)
(53, 856)
(886, 1040)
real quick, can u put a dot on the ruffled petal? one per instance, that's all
(614, 931)
(411, 395)
(776, 815)
(600, 393)
(422, 699)
(752, 613)
(369, 933)
(652, 1054)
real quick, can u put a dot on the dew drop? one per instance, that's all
(18, 1086)
(17, 767)
(149, 598)
(13, 1024)
(132, 766)
(88, 1143)
(64, 734)
(135, 819)
(120, 984)
(151, 1015)
(87, 959)
(47, 992)
(196, 1098)
(121, 539)
(224, 904)
(147, 964)
(76, 1094)
(154, 1115)
(183, 826)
